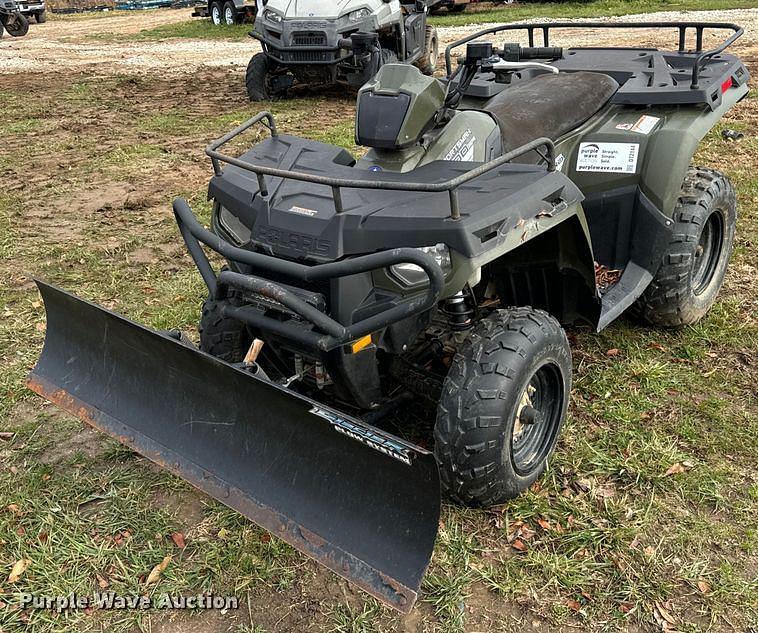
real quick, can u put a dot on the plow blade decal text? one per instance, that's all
(358, 500)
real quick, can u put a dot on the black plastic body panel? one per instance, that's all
(298, 221)
(379, 119)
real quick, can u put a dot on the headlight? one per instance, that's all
(272, 16)
(412, 275)
(355, 16)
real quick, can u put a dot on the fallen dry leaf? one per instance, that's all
(6, 435)
(155, 574)
(544, 524)
(703, 586)
(13, 508)
(102, 582)
(614, 351)
(664, 613)
(675, 469)
(19, 567)
(519, 545)
(573, 605)
(178, 539)
(626, 607)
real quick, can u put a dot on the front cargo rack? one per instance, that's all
(542, 146)
(647, 76)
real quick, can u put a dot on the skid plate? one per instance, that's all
(358, 500)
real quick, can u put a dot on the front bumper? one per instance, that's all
(31, 8)
(324, 42)
(312, 328)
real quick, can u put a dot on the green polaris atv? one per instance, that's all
(440, 267)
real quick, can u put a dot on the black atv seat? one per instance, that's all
(549, 105)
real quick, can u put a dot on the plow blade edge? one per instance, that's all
(358, 500)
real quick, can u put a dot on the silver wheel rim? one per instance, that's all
(216, 15)
(229, 15)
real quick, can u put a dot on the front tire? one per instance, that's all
(17, 25)
(502, 406)
(427, 63)
(220, 336)
(258, 78)
(40, 17)
(693, 267)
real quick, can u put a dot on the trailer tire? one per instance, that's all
(513, 364)
(216, 12)
(220, 336)
(230, 13)
(427, 63)
(40, 17)
(257, 78)
(694, 264)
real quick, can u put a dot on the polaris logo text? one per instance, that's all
(295, 241)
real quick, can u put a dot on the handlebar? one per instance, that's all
(541, 52)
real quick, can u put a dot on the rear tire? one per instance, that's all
(694, 264)
(40, 17)
(258, 78)
(216, 12)
(502, 406)
(457, 8)
(230, 13)
(427, 63)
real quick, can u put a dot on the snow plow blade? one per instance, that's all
(358, 500)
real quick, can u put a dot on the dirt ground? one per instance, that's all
(111, 130)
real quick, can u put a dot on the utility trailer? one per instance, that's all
(226, 12)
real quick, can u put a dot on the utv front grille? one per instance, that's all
(307, 56)
(309, 38)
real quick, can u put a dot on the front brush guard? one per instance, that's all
(360, 501)
(327, 334)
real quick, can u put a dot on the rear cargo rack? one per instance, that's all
(542, 146)
(696, 60)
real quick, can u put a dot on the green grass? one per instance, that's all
(569, 10)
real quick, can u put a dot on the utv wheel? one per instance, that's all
(17, 25)
(230, 13)
(502, 406)
(40, 17)
(258, 78)
(216, 13)
(388, 56)
(220, 336)
(457, 8)
(694, 264)
(428, 61)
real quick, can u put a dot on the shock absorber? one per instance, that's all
(458, 312)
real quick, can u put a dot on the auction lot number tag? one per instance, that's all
(611, 157)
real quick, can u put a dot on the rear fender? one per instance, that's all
(670, 150)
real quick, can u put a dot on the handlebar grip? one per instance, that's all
(541, 52)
